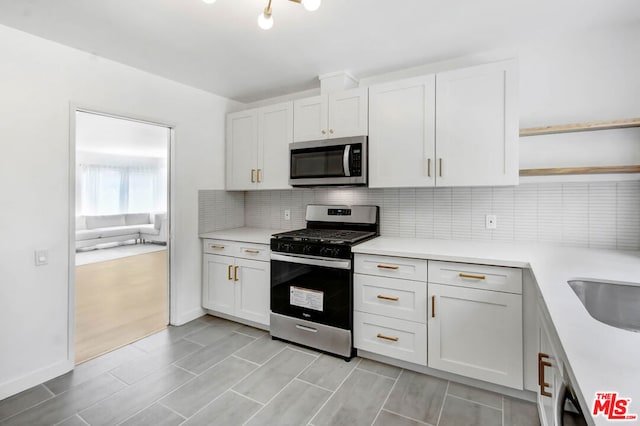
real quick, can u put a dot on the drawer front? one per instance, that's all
(389, 266)
(221, 247)
(391, 297)
(484, 277)
(399, 339)
(253, 251)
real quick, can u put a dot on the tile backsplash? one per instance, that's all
(594, 214)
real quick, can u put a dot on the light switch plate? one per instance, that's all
(42, 257)
(287, 214)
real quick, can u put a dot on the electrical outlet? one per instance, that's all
(287, 214)
(491, 221)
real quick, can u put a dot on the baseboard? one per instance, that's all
(238, 320)
(515, 393)
(32, 379)
(185, 317)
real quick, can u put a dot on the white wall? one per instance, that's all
(38, 81)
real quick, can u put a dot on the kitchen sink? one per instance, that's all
(613, 303)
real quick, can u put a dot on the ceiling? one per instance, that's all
(219, 48)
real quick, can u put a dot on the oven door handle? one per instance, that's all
(328, 263)
(345, 160)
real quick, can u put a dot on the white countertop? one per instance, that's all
(245, 235)
(602, 358)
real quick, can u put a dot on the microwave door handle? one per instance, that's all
(345, 160)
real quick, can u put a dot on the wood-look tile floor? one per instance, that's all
(216, 372)
(119, 301)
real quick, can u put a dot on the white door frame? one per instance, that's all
(171, 288)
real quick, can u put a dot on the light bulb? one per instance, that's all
(265, 21)
(311, 5)
(209, 1)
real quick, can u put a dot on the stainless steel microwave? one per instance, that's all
(339, 161)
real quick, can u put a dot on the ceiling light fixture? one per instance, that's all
(265, 20)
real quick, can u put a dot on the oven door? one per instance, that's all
(313, 289)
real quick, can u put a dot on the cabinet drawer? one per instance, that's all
(389, 266)
(221, 247)
(404, 340)
(253, 251)
(391, 297)
(497, 278)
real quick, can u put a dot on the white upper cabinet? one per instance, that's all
(477, 125)
(258, 148)
(338, 114)
(242, 152)
(275, 133)
(402, 133)
(457, 128)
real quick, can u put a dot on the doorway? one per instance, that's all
(122, 236)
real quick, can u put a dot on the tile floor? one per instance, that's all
(216, 372)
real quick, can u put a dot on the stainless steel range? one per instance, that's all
(312, 277)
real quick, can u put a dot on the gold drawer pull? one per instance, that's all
(394, 299)
(253, 175)
(388, 267)
(229, 272)
(217, 247)
(235, 273)
(382, 336)
(475, 277)
(541, 379)
(258, 175)
(252, 251)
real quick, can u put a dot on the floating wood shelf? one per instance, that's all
(580, 170)
(581, 127)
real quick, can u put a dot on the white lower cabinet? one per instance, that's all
(404, 340)
(475, 321)
(476, 333)
(237, 286)
(390, 310)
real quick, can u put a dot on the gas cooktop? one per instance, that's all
(331, 236)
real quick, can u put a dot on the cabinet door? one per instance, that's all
(310, 119)
(275, 124)
(549, 376)
(252, 295)
(218, 286)
(348, 113)
(477, 126)
(476, 333)
(402, 133)
(242, 155)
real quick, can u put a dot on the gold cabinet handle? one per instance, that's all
(475, 277)
(235, 273)
(541, 379)
(251, 251)
(324, 132)
(253, 175)
(216, 247)
(433, 306)
(440, 166)
(229, 272)
(382, 336)
(331, 131)
(258, 175)
(393, 299)
(388, 267)
(428, 167)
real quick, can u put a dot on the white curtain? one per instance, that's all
(104, 190)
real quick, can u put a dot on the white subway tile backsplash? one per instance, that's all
(442, 201)
(602, 214)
